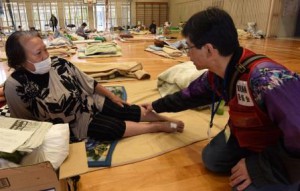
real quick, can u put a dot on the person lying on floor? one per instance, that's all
(53, 89)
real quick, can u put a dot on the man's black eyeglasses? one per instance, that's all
(187, 49)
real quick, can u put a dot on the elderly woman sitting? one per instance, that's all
(53, 89)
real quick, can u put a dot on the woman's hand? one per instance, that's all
(118, 100)
(239, 176)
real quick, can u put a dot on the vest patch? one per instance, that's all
(243, 94)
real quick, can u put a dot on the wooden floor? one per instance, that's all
(181, 169)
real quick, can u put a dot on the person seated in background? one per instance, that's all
(259, 146)
(167, 26)
(152, 28)
(54, 90)
(80, 31)
(181, 25)
(32, 28)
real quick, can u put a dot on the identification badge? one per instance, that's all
(243, 94)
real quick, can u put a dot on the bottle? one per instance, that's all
(220, 110)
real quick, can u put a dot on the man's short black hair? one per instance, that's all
(214, 26)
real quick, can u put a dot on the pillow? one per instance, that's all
(55, 147)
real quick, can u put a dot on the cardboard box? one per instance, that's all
(42, 176)
(34, 177)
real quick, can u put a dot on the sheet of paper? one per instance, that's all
(21, 134)
(37, 138)
(10, 139)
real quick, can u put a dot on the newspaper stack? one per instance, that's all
(21, 134)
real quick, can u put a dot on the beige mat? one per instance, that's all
(142, 147)
(114, 71)
(136, 38)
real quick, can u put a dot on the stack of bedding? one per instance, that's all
(99, 50)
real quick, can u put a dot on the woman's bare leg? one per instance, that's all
(138, 128)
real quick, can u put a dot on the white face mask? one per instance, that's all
(42, 67)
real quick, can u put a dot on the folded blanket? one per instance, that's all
(60, 41)
(114, 71)
(174, 52)
(140, 32)
(62, 51)
(166, 51)
(177, 77)
(99, 50)
(158, 52)
(74, 37)
(155, 48)
(137, 38)
(87, 41)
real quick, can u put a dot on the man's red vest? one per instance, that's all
(248, 123)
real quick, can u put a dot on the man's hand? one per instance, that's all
(239, 176)
(148, 107)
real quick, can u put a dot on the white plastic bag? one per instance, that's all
(7, 164)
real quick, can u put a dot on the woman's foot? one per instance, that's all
(170, 127)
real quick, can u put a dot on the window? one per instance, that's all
(75, 13)
(125, 9)
(113, 14)
(18, 16)
(118, 14)
(100, 17)
(42, 13)
(146, 12)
